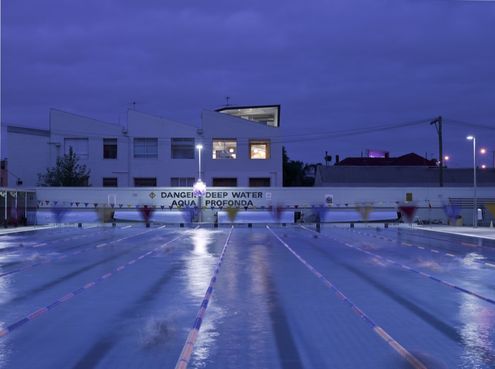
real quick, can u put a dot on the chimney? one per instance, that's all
(337, 159)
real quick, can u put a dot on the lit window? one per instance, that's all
(224, 149)
(145, 148)
(79, 146)
(182, 148)
(259, 149)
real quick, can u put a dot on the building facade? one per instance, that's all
(151, 151)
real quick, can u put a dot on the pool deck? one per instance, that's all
(480, 232)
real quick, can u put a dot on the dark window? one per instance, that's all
(182, 148)
(181, 181)
(146, 148)
(224, 182)
(145, 182)
(109, 148)
(259, 182)
(110, 182)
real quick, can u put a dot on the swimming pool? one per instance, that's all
(283, 297)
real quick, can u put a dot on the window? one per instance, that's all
(182, 181)
(182, 148)
(79, 146)
(109, 148)
(145, 182)
(224, 149)
(224, 182)
(259, 182)
(259, 149)
(146, 148)
(110, 182)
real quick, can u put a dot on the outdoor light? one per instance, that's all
(446, 158)
(475, 197)
(483, 166)
(482, 150)
(199, 188)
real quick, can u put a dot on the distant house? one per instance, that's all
(410, 170)
(410, 159)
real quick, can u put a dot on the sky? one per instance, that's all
(332, 65)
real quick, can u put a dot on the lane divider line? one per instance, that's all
(187, 349)
(423, 274)
(68, 296)
(396, 346)
(460, 258)
(62, 257)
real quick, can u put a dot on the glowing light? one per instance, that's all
(199, 147)
(199, 188)
(483, 166)
(470, 138)
(446, 158)
(482, 150)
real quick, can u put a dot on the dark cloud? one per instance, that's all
(331, 64)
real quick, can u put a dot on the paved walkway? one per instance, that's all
(25, 229)
(480, 232)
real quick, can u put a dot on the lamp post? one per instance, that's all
(475, 197)
(199, 188)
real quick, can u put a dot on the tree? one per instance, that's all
(293, 170)
(67, 173)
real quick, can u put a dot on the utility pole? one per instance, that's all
(438, 125)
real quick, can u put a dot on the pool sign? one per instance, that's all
(215, 199)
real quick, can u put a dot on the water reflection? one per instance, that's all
(477, 333)
(199, 264)
(5, 294)
(199, 268)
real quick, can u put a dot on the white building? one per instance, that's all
(241, 147)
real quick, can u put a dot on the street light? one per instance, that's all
(199, 188)
(475, 197)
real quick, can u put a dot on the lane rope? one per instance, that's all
(187, 349)
(68, 296)
(413, 270)
(394, 344)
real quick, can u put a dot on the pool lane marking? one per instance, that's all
(62, 257)
(44, 243)
(394, 344)
(460, 258)
(188, 347)
(68, 296)
(408, 268)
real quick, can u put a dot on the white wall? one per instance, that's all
(218, 125)
(343, 198)
(67, 125)
(27, 155)
(164, 167)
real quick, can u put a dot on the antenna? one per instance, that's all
(227, 100)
